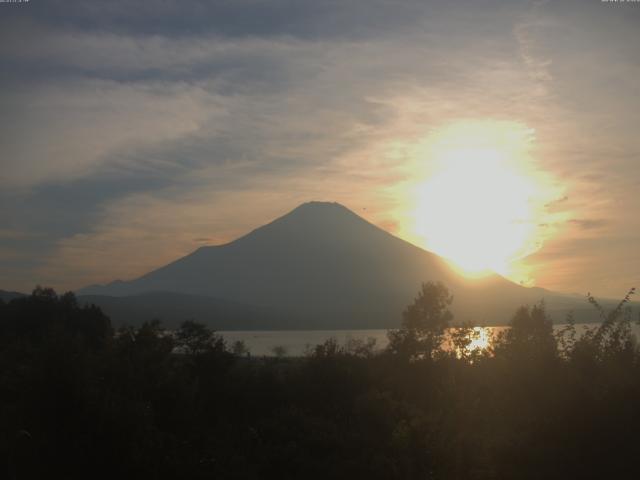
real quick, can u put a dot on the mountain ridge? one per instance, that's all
(326, 266)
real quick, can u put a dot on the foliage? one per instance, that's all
(239, 348)
(530, 336)
(196, 339)
(423, 323)
(79, 400)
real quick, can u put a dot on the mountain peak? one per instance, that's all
(315, 219)
(318, 204)
(315, 207)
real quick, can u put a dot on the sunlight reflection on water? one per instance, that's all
(480, 339)
(297, 342)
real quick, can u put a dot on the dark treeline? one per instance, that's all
(79, 400)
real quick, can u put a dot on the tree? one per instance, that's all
(530, 335)
(240, 349)
(423, 323)
(196, 338)
(280, 351)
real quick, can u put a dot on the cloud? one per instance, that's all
(231, 18)
(591, 224)
(62, 132)
(139, 127)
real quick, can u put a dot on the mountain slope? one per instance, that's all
(328, 268)
(7, 296)
(173, 308)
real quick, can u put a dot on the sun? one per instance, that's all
(481, 203)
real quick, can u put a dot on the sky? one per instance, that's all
(135, 132)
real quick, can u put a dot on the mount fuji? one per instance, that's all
(320, 266)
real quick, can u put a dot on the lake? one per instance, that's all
(297, 342)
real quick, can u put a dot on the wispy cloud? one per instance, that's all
(132, 131)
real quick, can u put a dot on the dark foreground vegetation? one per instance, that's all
(78, 400)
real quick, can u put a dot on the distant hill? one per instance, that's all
(173, 308)
(6, 296)
(319, 266)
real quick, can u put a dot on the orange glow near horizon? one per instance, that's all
(482, 204)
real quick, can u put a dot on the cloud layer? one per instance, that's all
(133, 130)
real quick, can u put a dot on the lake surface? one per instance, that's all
(297, 342)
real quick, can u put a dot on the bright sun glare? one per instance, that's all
(482, 203)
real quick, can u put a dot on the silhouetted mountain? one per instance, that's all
(6, 296)
(173, 308)
(325, 267)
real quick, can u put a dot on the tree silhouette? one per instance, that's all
(423, 323)
(196, 338)
(77, 400)
(530, 335)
